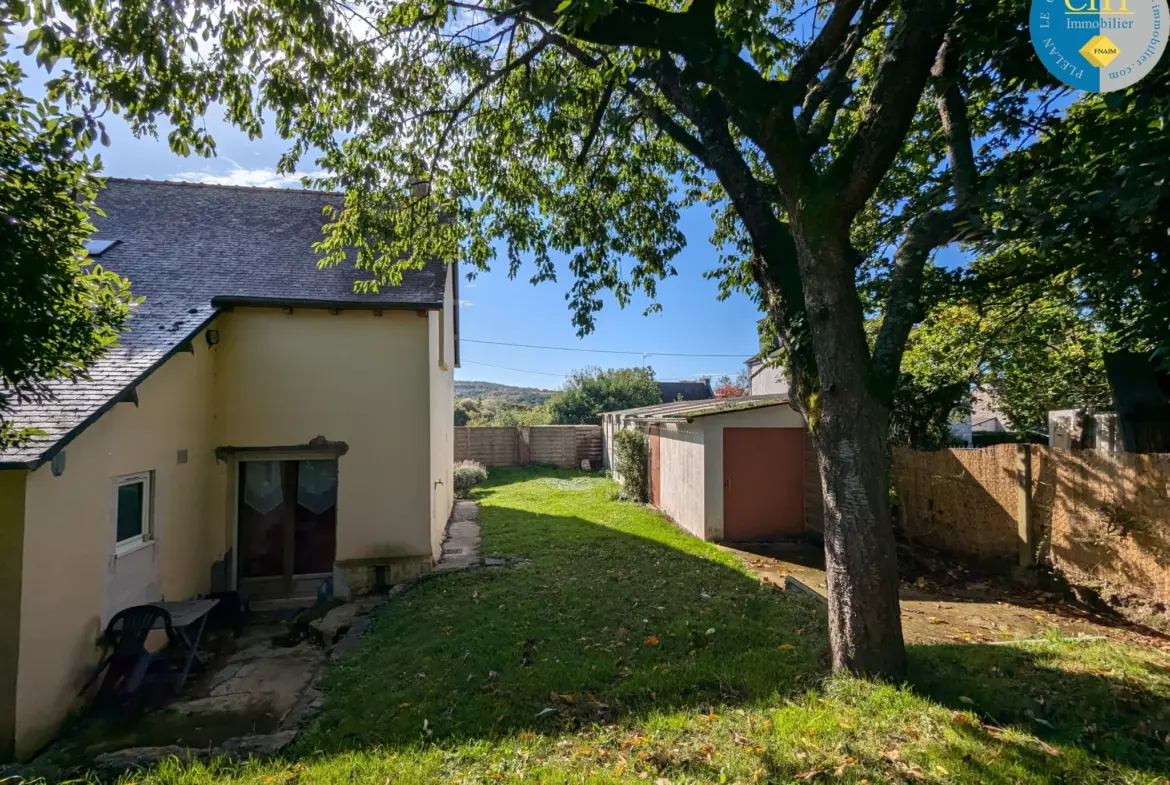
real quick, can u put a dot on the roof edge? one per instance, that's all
(60, 444)
(229, 301)
(190, 184)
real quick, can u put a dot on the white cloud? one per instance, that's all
(465, 303)
(255, 178)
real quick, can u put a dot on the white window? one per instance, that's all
(132, 511)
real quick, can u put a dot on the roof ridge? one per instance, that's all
(189, 184)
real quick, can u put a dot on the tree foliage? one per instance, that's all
(498, 412)
(592, 391)
(58, 311)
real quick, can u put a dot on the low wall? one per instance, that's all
(558, 445)
(1098, 519)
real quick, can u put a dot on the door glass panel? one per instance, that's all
(261, 519)
(316, 517)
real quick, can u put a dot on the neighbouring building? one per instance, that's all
(984, 418)
(260, 427)
(766, 377)
(699, 390)
(735, 469)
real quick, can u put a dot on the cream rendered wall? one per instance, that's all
(11, 549)
(356, 377)
(783, 416)
(681, 475)
(70, 576)
(441, 361)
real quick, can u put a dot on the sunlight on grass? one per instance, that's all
(629, 651)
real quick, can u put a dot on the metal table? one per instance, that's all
(188, 619)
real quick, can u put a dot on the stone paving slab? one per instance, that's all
(461, 542)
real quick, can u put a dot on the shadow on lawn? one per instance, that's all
(603, 624)
(608, 623)
(1110, 716)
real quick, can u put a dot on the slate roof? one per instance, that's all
(686, 391)
(191, 250)
(690, 410)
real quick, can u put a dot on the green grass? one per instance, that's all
(628, 651)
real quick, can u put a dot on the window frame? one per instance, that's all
(146, 535)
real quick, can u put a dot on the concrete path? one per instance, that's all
(461, 542)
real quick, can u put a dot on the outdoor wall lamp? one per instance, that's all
(212, 337)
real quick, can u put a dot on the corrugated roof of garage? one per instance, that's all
(693, 409)
(190, 250)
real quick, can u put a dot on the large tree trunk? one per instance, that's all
(849, 428)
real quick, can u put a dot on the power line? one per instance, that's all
(517, 370)
(600, 351)
(564, 376)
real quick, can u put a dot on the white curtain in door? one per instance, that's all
(317, 485)
(263, 491)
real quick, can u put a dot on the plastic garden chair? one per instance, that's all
(129, 659)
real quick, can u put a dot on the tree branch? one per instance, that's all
(834, 87)
(824, 45)
(901, 77)
(595, 125)
(476, 91)
(952, 111)
(930, 230)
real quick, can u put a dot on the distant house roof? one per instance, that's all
(685, 411)
(191, 251)
(1141, 395)
(686, 391)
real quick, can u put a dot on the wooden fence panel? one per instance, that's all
(489, 446)
(962, 501)
(1109, 523)
(559, 445)
(1101, 520)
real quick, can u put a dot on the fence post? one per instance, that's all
(522, 441)
(1024, 512)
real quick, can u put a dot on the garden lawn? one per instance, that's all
(628, 651)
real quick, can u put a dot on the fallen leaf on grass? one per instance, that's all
(787, 647)
(651, 640)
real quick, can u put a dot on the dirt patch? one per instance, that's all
(959, 607)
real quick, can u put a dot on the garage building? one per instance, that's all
(734, 469)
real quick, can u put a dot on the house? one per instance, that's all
(765, 376)
(1141, 397)
(735, 469)
(985, 418)
(687, 391)
(260, 427)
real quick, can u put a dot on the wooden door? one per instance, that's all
(287, 519)
(655, 467)
(763, 483)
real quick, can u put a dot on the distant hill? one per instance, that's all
(503, 392)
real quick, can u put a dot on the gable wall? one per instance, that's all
(283, 379)
(73, 582)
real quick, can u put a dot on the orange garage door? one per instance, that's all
(763, 483)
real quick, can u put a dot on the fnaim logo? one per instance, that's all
(1099, 45)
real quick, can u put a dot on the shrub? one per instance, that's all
(469, 474)
(632, 451)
